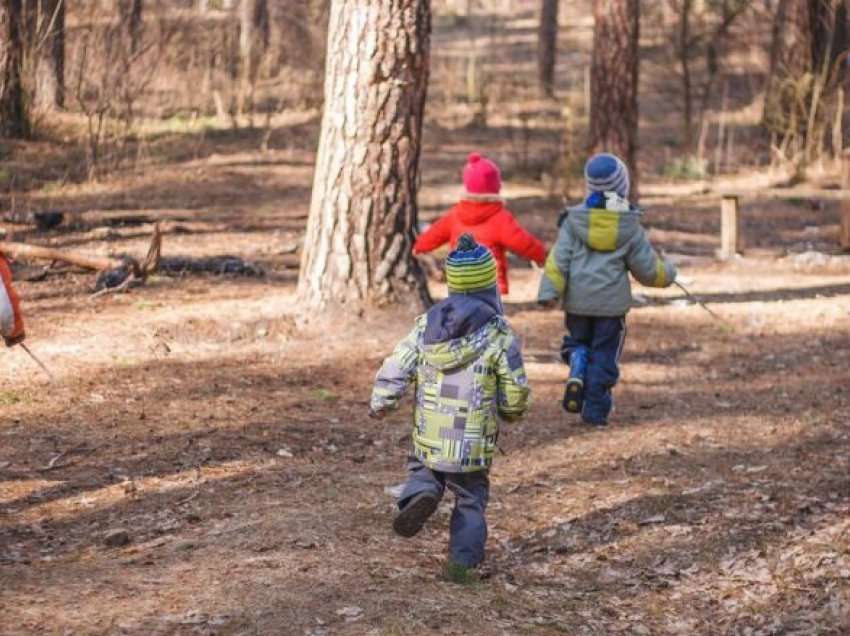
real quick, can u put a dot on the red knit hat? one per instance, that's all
(481, 176)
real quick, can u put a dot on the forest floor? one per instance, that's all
(201, 465)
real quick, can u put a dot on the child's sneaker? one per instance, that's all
(574, 391)
(409, 521)
(460, 574)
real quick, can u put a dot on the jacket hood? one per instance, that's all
(475, 212)
(604, 230)
(456, 327)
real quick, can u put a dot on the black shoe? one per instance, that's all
(412, 517)
(573, 396)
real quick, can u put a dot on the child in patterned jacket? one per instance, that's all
(467, 370)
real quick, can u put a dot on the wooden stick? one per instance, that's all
(730, 228)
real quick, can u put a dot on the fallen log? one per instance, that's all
(113, 272)
(25, 251)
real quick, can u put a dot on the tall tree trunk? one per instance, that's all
(13, 114)
(363, 213)
(130, 14)
(50, 55)
(614, 81)
(254, 29)
(547, 45)
(684, 46)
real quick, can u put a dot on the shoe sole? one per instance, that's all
(409, 521)
(573, 396)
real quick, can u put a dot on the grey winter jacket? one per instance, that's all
(588, 266)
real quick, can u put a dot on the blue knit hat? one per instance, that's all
(607, 173)
(470, 267)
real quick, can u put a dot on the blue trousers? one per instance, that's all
(604, 339)
(468, 527)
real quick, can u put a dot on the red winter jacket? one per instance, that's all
(493, 225)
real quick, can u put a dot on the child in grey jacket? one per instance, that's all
(599, 243)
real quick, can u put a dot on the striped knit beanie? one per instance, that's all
(470, 267)
(607, 173)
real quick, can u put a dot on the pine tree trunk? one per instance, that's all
(13, 115)
(547, 45)
(130, 14)
(614, 81)
(50, 56)
(357, 251)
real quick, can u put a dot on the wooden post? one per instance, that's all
(731, 239)
(845, 202)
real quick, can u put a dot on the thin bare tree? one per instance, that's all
(357, 251)
(547, 45)
(254, 31)
(130, 14)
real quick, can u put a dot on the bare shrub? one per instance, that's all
(110, 73)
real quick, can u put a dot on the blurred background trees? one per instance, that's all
(708, 85)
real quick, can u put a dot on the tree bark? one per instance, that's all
(357, 251)
(14, 121)
(50, 55)
(547, 45)
(614, 81)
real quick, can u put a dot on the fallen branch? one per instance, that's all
(97, 263)
(114, 272)
(26, 251)
(53, 465)
(129, 281)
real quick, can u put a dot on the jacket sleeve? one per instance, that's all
(647, 266)
(514, 392)
(397, 372)
(556, 273)
(11, 318)
(520, 241)
(439, 233)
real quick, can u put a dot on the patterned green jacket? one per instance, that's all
(463, 387)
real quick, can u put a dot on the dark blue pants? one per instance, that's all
(468, 527)
(603, 338)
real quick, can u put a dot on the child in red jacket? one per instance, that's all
(483, 214)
